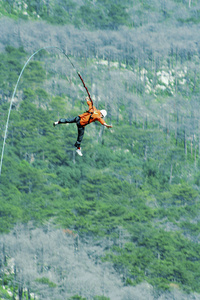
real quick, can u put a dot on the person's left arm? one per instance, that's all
(89, 102)
(104, 123)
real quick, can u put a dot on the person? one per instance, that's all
(91, 115)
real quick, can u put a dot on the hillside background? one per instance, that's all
(122, 221)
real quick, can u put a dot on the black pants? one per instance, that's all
(80, 128)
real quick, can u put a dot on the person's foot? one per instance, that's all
(55, 123)
(78, 150)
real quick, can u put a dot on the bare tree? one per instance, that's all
(66, 272)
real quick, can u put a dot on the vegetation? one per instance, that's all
(115, 190)
(137, 184)
(102, 14)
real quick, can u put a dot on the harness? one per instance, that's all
(91, 113)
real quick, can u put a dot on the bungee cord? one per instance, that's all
(79, 75)
(13, 95)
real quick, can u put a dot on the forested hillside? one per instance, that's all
(130, 206)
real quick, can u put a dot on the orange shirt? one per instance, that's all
(87, 117)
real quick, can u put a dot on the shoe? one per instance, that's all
(78, 150)
(55, 123)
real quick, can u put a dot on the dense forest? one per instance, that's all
(122, 221)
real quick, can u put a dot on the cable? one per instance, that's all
(13, 95)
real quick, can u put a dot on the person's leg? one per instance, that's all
(68, 120)
(81, 130)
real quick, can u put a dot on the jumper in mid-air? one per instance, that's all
(91, 115)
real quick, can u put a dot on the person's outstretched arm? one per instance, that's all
(108, 126)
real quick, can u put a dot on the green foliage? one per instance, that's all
(46, 281)
(161, 258)
(183, 194)
(123, 189)
(4, 294)
(10, 68)
(101, 14)
(117, 15)
(77, 297)
(34, 73)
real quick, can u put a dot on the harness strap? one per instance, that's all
(91, 113)
(90, 119)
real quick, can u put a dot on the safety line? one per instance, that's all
(13, 95)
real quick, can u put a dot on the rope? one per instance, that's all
(13, 95)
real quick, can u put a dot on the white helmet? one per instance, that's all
(103, 112)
